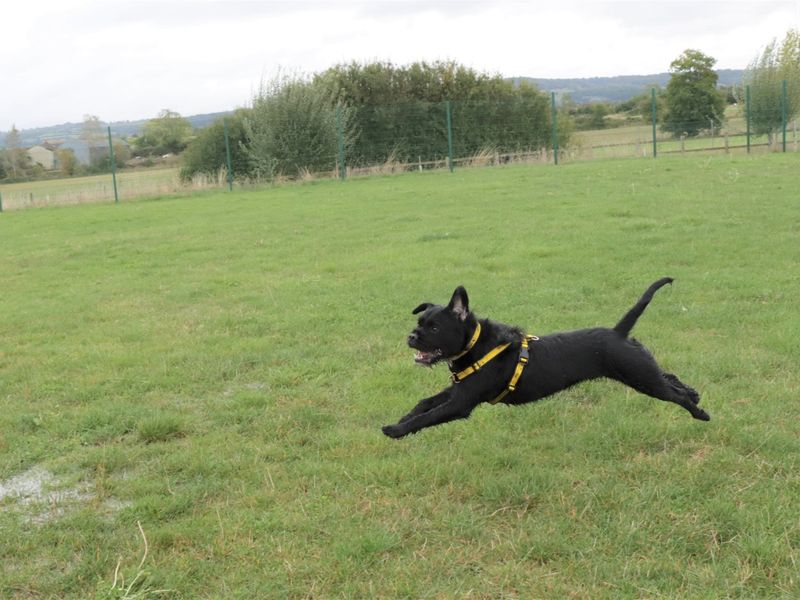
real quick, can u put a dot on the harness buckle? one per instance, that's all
(524, 354)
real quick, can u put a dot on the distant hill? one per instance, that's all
(71, 131)
(616, 89)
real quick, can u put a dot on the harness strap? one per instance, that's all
(480, 363)
(472, 342)
(524, 354)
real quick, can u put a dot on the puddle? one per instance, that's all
(37, 494)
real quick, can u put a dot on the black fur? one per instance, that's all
(557, 361)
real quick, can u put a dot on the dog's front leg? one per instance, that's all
(428, 404)
(455, 408)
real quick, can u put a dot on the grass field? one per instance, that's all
(192, 389)
(95, 188)
(637, 141)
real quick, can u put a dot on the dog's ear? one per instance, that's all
(421, 307)
(459, 303)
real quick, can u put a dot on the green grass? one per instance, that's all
(217, 368)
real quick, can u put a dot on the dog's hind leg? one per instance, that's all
(682, 387)
(639, 370)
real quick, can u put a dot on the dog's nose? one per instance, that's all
(412, 338)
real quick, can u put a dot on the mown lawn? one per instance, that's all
(215, 370)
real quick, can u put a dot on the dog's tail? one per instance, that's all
(629, 320)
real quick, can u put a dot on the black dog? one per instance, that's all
(493, 362)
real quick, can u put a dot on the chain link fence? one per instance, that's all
(442, 135)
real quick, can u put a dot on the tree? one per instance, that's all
(68, 162)
(92, 131)
(168, 133)
(641, 105)
(400, 111)
(17, 161)
(293, 126)
(597, 116)
(206, 153)
(765, 76)
(692, 100)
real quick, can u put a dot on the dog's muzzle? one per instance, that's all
(423, 357)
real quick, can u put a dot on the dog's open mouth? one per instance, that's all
(427, 358)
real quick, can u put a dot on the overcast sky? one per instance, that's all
(128, 59)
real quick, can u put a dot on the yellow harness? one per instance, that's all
(494, 352)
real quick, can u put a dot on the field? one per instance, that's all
(96, 188)
(637, 141)
(192, 389)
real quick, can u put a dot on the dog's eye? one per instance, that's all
(434, 329)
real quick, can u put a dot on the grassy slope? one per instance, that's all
(220, 366)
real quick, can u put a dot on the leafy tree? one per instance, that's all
(168, 133)
(692, 100)
(765, 76)
(68, 162)
(16, 159)
(206, 153)
(92, 130)
(13, 140)
(400, 111)
(292, 127)
(598, 116)
(590, 116)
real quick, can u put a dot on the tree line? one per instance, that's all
(373, 113)
(380, 112)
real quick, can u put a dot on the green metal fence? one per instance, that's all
(452, 135)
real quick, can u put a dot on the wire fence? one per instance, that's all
(444, 135)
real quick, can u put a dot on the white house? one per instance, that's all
(44, 155)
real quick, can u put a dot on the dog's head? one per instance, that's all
(442, 332)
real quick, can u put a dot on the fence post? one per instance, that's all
(747, 115)
(554, 113)
(655, 118)
(113, 165)
(340, 140)
(448, 110)
(228, 154)
(784, 111)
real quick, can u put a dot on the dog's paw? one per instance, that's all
(393, 431)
